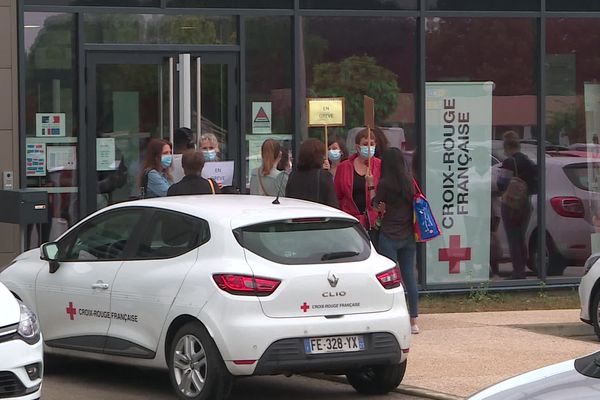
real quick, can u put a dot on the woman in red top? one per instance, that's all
(353, 183)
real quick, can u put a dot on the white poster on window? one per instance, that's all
(458, 177)
(176, 168)
(50, 125)
(61, 158)
(105, 154)
(262, 117)
(591, 95)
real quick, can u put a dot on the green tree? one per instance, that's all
(571, 122)
(352, 78)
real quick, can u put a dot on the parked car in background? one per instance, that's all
(572, 153)
(21, 350)
(586, 147)
(570, 380)
(549, 146)
(570, 206)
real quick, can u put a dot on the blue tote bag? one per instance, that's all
(425, 224)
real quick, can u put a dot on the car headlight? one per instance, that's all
(589, 263)
(29, 328)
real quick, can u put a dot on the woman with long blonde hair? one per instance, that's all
(266, 180)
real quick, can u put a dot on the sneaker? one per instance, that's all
(414, 329)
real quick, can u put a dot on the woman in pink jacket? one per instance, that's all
(353, 182)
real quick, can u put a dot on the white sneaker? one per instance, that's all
(414, 329)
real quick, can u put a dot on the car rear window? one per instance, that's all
(306, 241)
(585, 176)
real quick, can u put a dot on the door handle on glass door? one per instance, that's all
(100, 285)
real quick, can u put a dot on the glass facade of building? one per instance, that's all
(449, 78)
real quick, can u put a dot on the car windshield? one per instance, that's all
(585, 176)
(306, 241)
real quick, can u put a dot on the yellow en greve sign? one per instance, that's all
(325, 111)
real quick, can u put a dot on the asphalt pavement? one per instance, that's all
(454, 356)
(73, 379)
(458, 354)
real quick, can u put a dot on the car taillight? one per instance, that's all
(246, 285)
(571, 207)
(391, 278)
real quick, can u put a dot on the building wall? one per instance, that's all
(546, 89)
(9, 126)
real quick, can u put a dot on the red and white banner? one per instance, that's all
(458, 179)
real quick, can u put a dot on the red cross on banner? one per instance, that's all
(304, 307)
(454, 254)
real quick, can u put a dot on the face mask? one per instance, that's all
(364, 151)
(209, 155)
(335, 155)
(166, 160)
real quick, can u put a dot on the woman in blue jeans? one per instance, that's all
(394, 199)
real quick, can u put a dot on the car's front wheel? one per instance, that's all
(380, 379)
(196, 368)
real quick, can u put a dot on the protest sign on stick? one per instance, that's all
(325, 112)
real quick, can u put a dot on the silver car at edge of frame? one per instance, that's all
(569, 380)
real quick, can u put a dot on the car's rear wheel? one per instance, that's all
(196, 368)
(380, 379)
(555, 262)
(595, 313)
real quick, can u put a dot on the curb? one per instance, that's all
(425, 393)
(402, 389)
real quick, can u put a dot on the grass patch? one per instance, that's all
(482, 299)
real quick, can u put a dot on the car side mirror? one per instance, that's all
(49, 252)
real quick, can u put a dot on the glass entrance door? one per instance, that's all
(133, 98)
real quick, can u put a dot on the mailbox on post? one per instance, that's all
(23, 206)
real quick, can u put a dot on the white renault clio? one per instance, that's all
(21, 358)
(213, 287)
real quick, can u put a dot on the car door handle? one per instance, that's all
(100, 285)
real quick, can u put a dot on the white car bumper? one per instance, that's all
(15, 354)
(244, 338)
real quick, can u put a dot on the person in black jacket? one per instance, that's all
(308, 181)
(192, 183)
(516, 219)
(394, 199)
